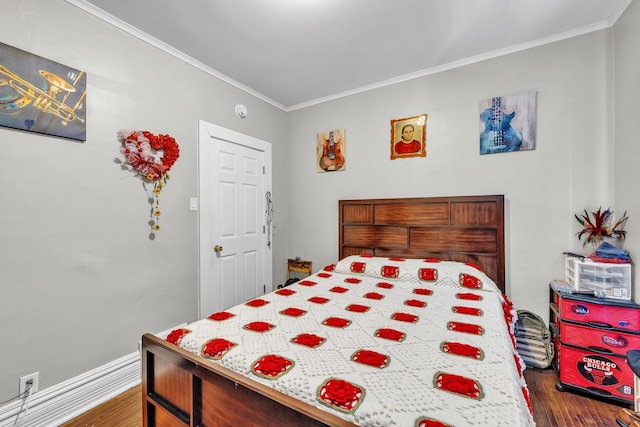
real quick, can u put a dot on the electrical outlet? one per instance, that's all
(24, 383)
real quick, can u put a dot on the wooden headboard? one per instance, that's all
(458, 228)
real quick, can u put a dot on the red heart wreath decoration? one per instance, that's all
(137, 149)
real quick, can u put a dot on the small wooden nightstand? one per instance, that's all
(298, 268)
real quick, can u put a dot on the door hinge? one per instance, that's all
(264, 170)
(264, 289)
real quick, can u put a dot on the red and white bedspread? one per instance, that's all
(379, 342)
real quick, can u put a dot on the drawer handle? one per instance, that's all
(600, 349)
(600, 325)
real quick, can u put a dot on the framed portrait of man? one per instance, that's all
(409, 137)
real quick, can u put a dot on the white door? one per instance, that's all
(235, 246)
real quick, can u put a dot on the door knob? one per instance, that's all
(217, 248)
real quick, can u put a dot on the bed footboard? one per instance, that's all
(182, 389)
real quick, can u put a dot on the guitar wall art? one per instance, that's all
(331, 151)
(508, 123)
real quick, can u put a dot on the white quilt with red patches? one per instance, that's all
(379, 342)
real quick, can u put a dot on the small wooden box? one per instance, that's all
(298, 268)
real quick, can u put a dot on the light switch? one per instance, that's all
(193, 204)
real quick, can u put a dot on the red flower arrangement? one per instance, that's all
(358, 267)
(472, 311)
(428, 274)
(390, 271)
(138, 150)
(415, 303)
(220, 316)
(336, 322)
(371, 358)
(460, 349)
(429, 422)
(469, 296)
(390, 334)
(373, 295)
(256, 303)
(405, 317)
(458, 384)
(176, 335)
(216, 348)
(272, 366)
(293, 312)
(340, 394)
(467, 328)
(469, 281)
(259, 326)
(310, 340)
(358, 308)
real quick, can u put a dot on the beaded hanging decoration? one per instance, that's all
(139, 149)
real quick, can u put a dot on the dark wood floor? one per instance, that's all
(564, 408)
(551, 407)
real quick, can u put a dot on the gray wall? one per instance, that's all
(80, 280)
(627, 127)
(570, 169)
(79, 277)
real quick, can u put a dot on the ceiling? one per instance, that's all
(296, 53)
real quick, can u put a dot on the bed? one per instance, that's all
(408, 327)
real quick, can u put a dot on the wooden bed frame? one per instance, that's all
(463, 229)
(182, 389)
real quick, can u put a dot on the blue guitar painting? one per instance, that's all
(500, 133)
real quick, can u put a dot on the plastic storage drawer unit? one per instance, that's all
(611, 280)
(592, 337)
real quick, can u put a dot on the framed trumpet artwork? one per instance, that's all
(409, 137)
(43, 96)
(331, 151)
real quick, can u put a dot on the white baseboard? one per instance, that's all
(65, 401)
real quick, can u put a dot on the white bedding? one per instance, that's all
(400, 362)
